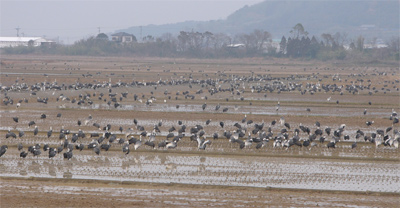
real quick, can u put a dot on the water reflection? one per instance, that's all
(234, 109)
(235, 171)
(67, 175)
(23, 172)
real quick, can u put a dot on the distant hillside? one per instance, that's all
(368, 18)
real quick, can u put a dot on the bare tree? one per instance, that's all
(297, 31)
(394, 44)
(329, 41)
(340, 38)
(255, 41)
(221, 40)
(183, 41)
(262, 37)
(360, 43)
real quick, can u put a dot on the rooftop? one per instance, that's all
(122, 34)
(22, 39)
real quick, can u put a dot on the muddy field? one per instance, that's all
(172, 93)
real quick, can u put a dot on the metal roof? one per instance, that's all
(21, 39)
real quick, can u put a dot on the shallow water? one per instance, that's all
(256, 110)
(283, 170)
(230, 171)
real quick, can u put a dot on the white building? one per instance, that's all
(23, 41)
(123, 37)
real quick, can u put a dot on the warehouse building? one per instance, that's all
(23, 41)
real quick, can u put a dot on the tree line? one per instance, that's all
(258, 43)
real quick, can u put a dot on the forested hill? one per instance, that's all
(368, 18)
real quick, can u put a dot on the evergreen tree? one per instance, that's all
(314, 47)
(282, 45)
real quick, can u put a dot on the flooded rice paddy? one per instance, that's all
(274, 172)
(224, 173)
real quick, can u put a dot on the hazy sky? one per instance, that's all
(71, 20)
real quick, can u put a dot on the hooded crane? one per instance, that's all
(23, 154)
(261, 144)
(204, 106)
(50, 132)
(125, 148)
(35, 131)
(105, 147)
(138, 143)
(3, 150)
(331, 144)
(369, 123)
(80, 147)
(21, 133)
(11, 134)
(96, 150)
(68, 154)
(52, 152)
(354, 145)
(31, 123)
(20, 147)
(217, 107)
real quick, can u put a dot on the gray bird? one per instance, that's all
(3, 150)
(35, 131)
(20, 147)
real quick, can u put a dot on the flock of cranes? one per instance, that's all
(242, 135)
(245, 133)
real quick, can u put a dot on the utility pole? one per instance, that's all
(18, 31)
(141, 38)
